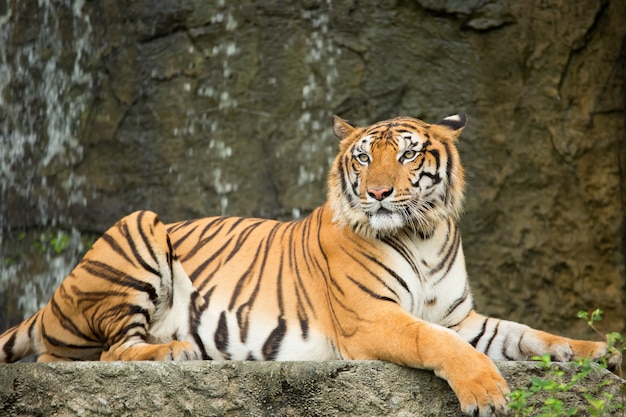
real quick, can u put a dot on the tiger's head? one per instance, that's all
(396, 174)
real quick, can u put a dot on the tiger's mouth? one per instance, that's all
(381, 211)
(385, 221)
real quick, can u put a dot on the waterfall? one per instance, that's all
(44, 93)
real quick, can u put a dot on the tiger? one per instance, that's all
(377, 272)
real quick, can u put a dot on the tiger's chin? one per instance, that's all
(385, 222)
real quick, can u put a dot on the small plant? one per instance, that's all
(524, 401)
(58, 243)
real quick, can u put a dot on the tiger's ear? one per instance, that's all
(455, 123)
(342, 128)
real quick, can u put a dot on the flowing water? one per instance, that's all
(44, 92)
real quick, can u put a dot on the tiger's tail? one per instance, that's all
(20, 340)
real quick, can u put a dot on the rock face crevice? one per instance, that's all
(335, 388)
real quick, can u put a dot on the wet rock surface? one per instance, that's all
(252, 389)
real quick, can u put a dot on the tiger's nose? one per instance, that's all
(379, 193)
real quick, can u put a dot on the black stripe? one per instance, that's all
(66, 322)
(304, 246)
(450, 256)
(124, 332)
(328, 278)
(221, 336)
(215, 222)
(279, 284)
(108, 273)
(436, 179)
(449, 165)
(302, 319)
(445, 247)
(171, 257)
(235, 224)
(495, 333)
(196, 273)
(58, 343)
(370, 292)
(111, 241)
(146, 242)
(184, 237)
(271, 347)
(242, 237)
(9, 345)
(458, 301)
(503, 351)
(204, 240)
(171, 228)
(133, 247)
(325, 269)
(369, 270)
(243, 279)
(391, 272)
(342, 175)
(519, 344)
(299, 287)
(243, 312)
(396, 245)
(453, 325)
(243, 321)
(194, 322)
(475, 340)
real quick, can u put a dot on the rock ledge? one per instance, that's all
(346, 388)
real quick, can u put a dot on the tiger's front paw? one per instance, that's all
(597, 351)
(562, 349)
(480, 388)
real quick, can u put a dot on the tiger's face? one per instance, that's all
(396, 174)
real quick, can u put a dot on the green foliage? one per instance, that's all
(525, 402)
(58, 242)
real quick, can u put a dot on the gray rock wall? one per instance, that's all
(251, 389)
(194, 108)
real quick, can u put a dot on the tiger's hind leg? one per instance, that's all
(157, 330)
(135, 293)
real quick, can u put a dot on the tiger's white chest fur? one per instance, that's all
(434, 269)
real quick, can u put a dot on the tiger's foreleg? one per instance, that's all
(506, 340)
(393, 335)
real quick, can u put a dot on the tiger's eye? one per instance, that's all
(409, 155)
(363, 158)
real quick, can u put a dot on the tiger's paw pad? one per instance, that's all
(482, 394)
(182, 351)
(598, 351)
(614, 360)
(485, 401)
